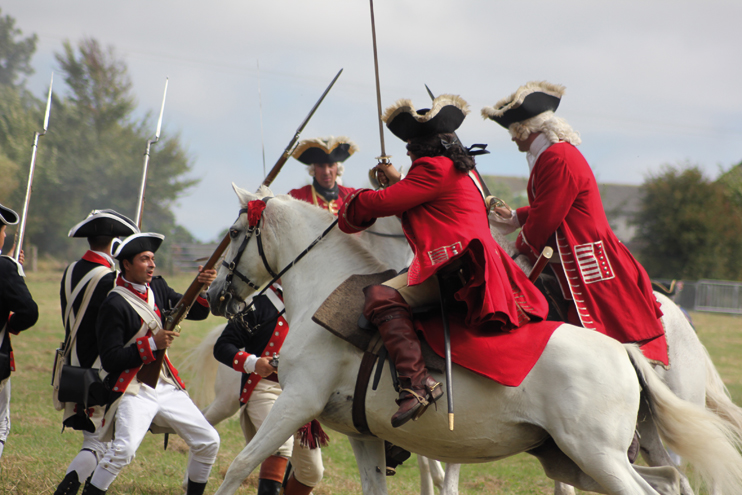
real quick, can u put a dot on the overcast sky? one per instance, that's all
(648, 82)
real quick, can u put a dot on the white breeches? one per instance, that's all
(306, 463)
(4, 411)
(164, 406)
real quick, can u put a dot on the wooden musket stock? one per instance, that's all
(149, 373)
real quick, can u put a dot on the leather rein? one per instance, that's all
(229, 291)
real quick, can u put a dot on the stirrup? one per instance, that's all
(422, 400)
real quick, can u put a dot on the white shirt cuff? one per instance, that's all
(250, 362)
(152, 345)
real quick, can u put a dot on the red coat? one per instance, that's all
(444, 218)
(308, 194)
(611, 290)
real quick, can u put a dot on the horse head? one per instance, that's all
(246, 265)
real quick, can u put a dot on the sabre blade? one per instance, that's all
(383, 158)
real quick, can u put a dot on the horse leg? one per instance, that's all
(289, 413)
(426, 478)
(451, 481)
(437, 474)
(563, 488)
(370, 457)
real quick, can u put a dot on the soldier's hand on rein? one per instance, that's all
(164, 338)
(263, 367)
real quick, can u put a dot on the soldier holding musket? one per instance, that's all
(18, 312)
(129, 331)
(85, 285)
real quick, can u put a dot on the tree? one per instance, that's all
(15, 55)
(687, 227)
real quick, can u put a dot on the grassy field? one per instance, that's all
(37, 454)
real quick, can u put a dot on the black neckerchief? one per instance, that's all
(327, 194)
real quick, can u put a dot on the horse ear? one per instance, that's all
(244, 195)
(264, 191)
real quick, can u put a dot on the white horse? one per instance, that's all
(575, 411)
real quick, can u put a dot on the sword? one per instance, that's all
(150, 142)
(22, 228)
(384, 158)
(481, 151)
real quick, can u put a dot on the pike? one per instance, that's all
(22, 228)
(150, 142)
(149, 373)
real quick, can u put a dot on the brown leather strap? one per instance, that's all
(359, 395)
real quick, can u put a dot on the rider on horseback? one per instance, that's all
(445, 220)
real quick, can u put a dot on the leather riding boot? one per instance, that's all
(91, 489)
(387, 309)
(295, 487)
(69, 485)
(195, 488)
(272, 472)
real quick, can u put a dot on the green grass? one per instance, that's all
(36, 454)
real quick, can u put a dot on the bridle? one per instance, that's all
(254, 211)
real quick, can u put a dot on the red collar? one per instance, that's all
(96, 258)
(123, 283)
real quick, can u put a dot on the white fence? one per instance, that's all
(717, 296)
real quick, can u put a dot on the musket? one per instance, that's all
(149, 373)
(384, 158)
(482, 151)
(150, 142)
(290, 148)
(22, 228)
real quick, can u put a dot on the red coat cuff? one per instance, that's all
(145, 351)
(522, 214)
(238, 363)
(11, 329)
(202, 301)
(346, 216)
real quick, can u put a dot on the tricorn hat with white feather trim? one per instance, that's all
(532, 99)
(324, 150)
(445, 115)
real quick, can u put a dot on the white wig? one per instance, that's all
(554, 128)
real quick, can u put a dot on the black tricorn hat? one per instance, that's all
(8, 216)
(138, 243)
(104, 222)
(532, 99)
(444, 116)
(324, 150)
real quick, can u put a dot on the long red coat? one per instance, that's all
(308, 194)
(444, 218)
(611, 291)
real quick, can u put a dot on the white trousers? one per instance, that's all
(4, 412)
(306, 462)
(165, 406)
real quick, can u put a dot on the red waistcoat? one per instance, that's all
(444, 218)
(308, 194)
(610, 289)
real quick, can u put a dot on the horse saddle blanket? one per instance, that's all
(505, 357)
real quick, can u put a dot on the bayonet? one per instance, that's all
(260, 102)
(150, 142)
(22, 228)
(290, 148)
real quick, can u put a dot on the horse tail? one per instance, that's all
(718, 398)
(706, 440)
(202, 365)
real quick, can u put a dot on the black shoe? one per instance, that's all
(269, 487)
(91, 489)
(195, 488)
(69, 485)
